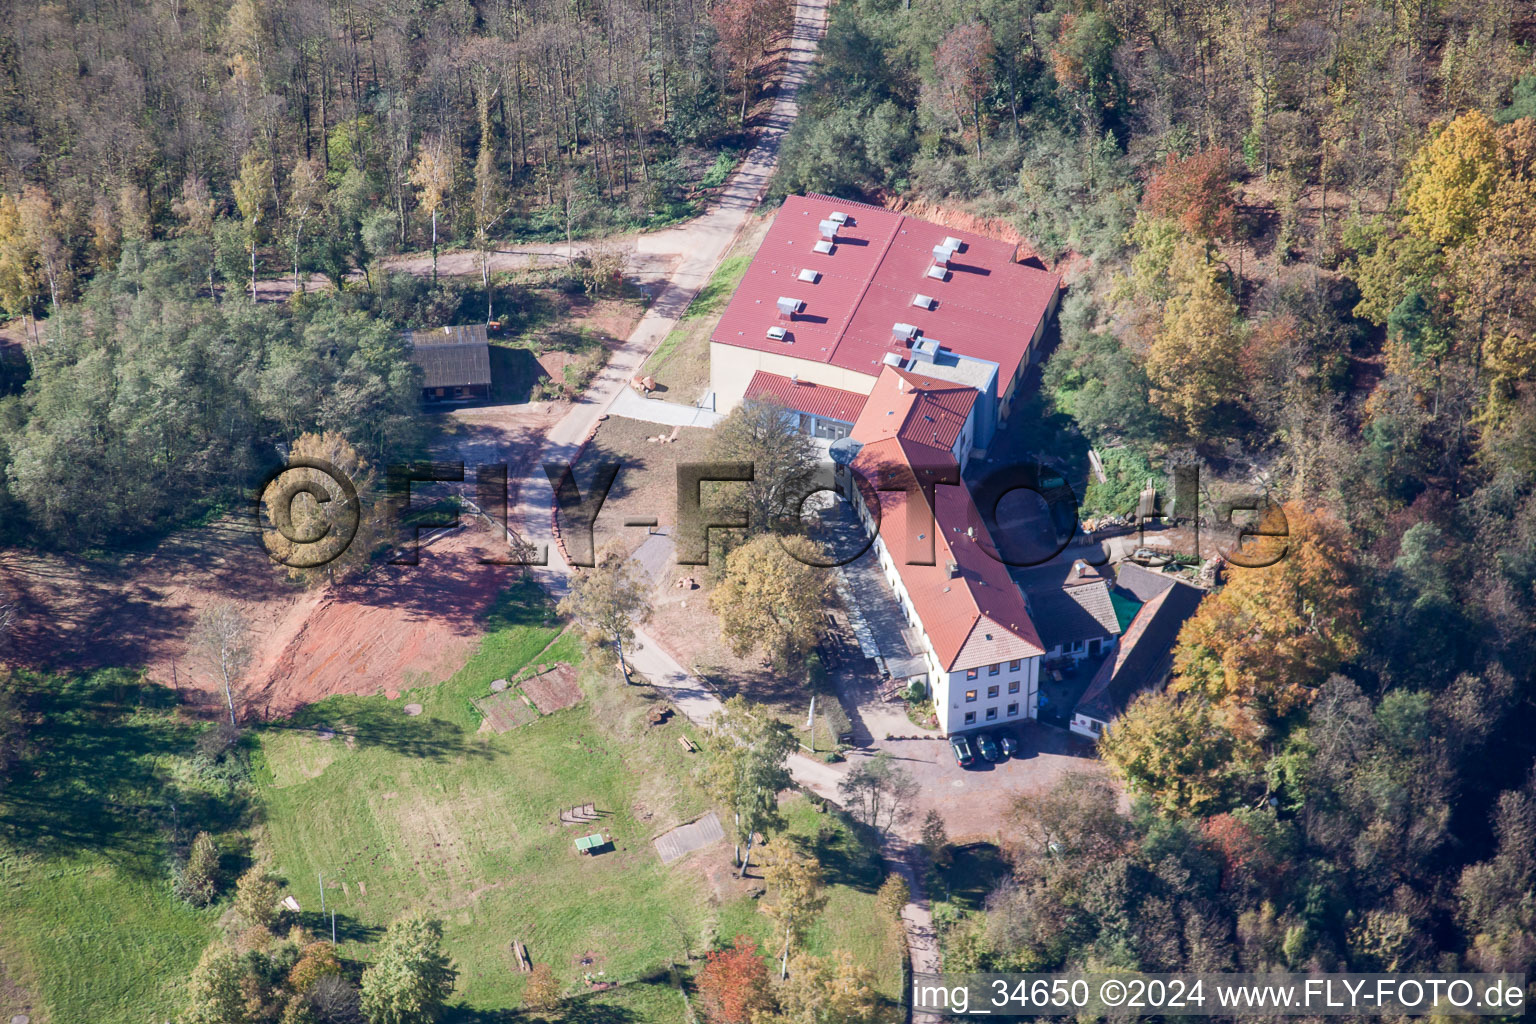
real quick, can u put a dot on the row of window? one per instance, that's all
(1013, 712)
(992, 670)
(970, 695)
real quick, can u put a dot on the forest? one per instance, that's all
(1297, 238)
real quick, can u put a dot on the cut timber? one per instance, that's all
(687, 744)
(520, 954)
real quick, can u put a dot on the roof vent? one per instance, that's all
(903, 332)
(938, 273)
(789, 307)
(838, 216)
(941, 255)
(893, 359)
(925, 350)
(953, 244)
(777, 334)
(922, 301)
(829, 229)
(809, 276)
(824, 247)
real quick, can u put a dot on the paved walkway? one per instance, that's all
(631, 404)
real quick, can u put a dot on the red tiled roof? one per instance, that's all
(987, 306)
(976, 617)
(923, 410)
(804, 396)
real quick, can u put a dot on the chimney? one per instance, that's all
(953, 567)
(788, 307)
(829, 230)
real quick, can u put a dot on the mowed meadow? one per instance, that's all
(396, 812)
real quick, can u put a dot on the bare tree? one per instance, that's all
(222, 638)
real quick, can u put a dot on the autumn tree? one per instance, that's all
(744, 28)
(798, 895)
(46, 225)
(256, 897)
(411, 977)
(833, 989)
(1452, 179)
(432, 174)
(19, 277)
(963, 65)
(317, 960)
(306, 198)
(337, 531)
(1267, 639)
(199, 881)
(770, 598)
(746, 767)
(221, 638)
(253, 194)
(1196, 192)
(733, 984)
(1175, 750)
(894, 894)
(764, 434)
(606, 601)
(197, 210)
(1193, 363)
(215, 989)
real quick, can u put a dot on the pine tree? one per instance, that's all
(411, 977)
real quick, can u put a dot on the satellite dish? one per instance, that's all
(844, 450)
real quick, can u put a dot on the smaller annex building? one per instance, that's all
(840, 290)
(1143, 658)
(455, 363)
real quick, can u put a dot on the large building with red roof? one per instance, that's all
(840, 290)
(911, 339)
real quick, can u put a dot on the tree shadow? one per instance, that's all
(370, 722)
(98, 773)
(582, 1009)
(348, 928)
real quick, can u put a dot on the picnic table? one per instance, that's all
(587, 844)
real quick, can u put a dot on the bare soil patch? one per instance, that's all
(505, 710)
(550, 691)
(646, 486)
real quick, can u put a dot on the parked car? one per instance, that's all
(988, 747)
(1007, 742)
(962, 750)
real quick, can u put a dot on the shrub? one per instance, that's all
(199, 881)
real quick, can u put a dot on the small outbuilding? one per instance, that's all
(455, 363)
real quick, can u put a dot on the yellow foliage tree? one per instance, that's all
(1175, 750)
(253, 192)
(1453, 178)
(1258, 647)
(432, 174)
(1193, 363)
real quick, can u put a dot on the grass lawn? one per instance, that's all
(680, 363)
(431, 812)
(90, 930)
(852, 920)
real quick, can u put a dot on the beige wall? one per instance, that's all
(731, 370)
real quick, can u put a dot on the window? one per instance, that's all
(831, 430)
(970, 718)
(1013, 709)
(992, 669)
(1095, 726)
(991, 714)
(970, 696)
(1013, 666)
(971, 673)
(1093, 646)
(1077, 645)
(991, 692)
(1013, 687)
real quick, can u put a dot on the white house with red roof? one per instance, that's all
(980, 647)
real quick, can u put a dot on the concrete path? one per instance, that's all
(630, 404)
